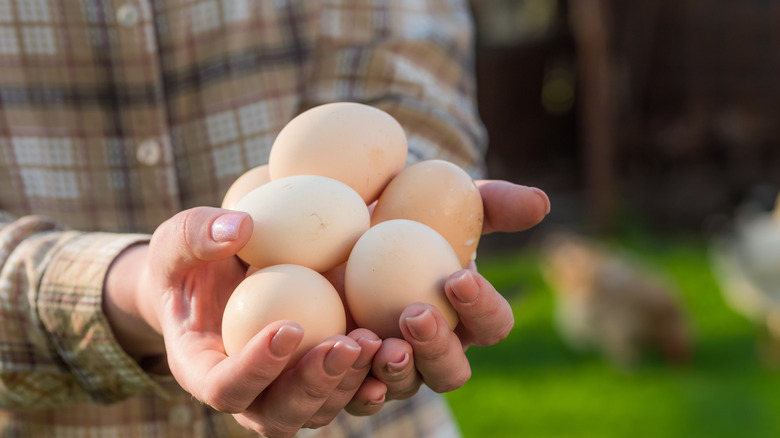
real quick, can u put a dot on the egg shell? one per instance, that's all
(394, 264)
(441, 195)
(306, 220)
(248, 181)
(360, 145)
(283, 292)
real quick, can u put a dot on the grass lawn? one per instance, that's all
(532, 385)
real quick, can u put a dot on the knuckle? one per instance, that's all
(173, 232)
(265, 427)
(318, 421)
(224, 406)
(348, 385)
(504, 331)
(222, 402)
(432, 353)
(276, 432)
(396, 377)
(499, 334)
(317, 392)
(185, 228)
(453, 382)
(403, 392)
(490, 327)
(363, 409)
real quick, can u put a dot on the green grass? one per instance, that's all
(532, 385)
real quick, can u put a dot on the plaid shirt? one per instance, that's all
(115, 115)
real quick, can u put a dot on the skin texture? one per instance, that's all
(164, 301)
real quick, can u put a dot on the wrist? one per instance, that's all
(129, 314)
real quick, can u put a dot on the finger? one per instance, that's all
(485, 315)
(369, 398)
(438, 353)
(511, 207)
(351, 383)
(231, 383)
(298, 394)
(394, 366)
(199, 235)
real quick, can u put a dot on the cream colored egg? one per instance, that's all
(440, 195)
(283, 292)
(394, 264)
(306, 220)
(248, 181)
(360, 145)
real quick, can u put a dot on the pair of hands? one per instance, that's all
(182, 280)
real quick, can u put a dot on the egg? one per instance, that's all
(360, 145)
(441, 195)
(394, 264)
(248, 181)
(307, 220)
(283, 292)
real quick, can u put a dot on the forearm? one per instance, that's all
(59, 346)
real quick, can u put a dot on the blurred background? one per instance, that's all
(652, 125)
(664, 108)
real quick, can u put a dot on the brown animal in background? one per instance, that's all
(609, 302)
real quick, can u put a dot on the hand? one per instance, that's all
(430, 352)
(184, 279)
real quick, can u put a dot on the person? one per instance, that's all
(121, 126)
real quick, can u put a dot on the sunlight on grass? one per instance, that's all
(532, 385)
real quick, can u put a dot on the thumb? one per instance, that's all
(198, 235)
(511, 207)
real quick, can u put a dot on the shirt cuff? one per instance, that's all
(70, 308)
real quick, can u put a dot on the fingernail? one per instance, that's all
(368, 341)
(398, 366)
(423, 326)
(464, 287)
(225, 228)
(285, 341)
(378, 400)
(369, 345)
(544, 197)
(336, 363)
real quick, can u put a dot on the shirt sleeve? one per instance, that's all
(414, 60)
(56, 346)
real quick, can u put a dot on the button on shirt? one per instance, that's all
(149, 152)
(127, 15)
(115, 115)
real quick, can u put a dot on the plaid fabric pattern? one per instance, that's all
(115, 120)
(116, 114)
